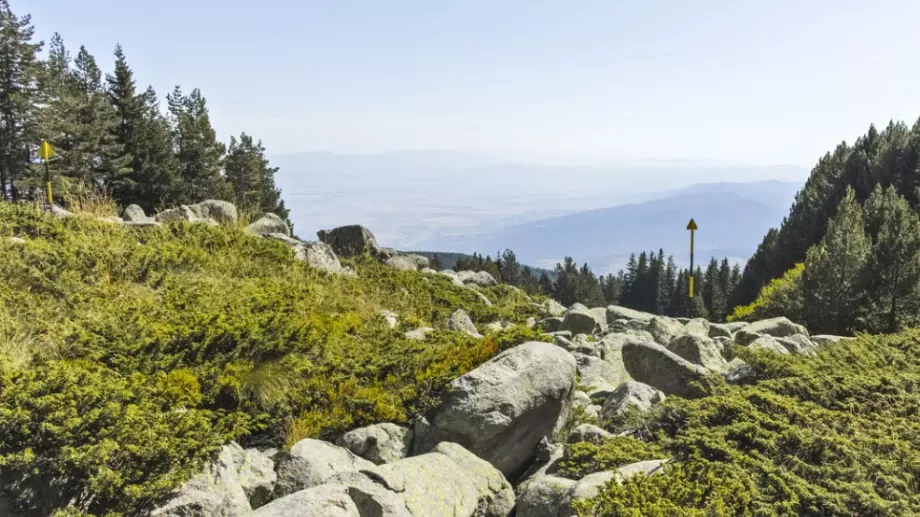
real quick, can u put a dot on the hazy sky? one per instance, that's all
(780, 82)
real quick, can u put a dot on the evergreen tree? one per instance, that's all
(680, 299)
(435, 263)
(893, 272)
(546, 285)
(198, 151)
(565, 289)
(629, 296)
(509, 267)
(833, 281)
(670, 284)
(252, 178)
(19, 98)
(589, 289)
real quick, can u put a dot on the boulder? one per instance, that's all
(631, 394)
(460, 321)
(407, 262)
(480, 278)
(663, 329)
(320, 501)
(391, 318)
(588, 433)
(798, 344)
(612, 351)
(580, 346)
(698, 349)
(419, 334)
(595, 373)
(745, 337)
(578, 307)
(59, 212)
(454, 277)
(498, 326)
(593, 411)
(768, 343)
(739, 372)
(735, 326)
(581, 399)
(320, 256)
(256, 474)
(552, 308)
(269, 223)
(615, 312)
(531, 322)
(378, 443)
(223, 212)
(719, 330)
(134, 214)
(581, 321)
(216, 492)
(777, 327)
(181, 213)
(483, 298)
(285, 238)
(310, 463)
(551, 324)
(546, 461)
(725, 346)
(495, 497)
(350, 241)
(657, 366)
(824, 339)
(641, 468)
(697, 326)
(15, 240)
(500, 410)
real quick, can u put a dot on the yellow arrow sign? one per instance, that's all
(691, 225)
(45, 152)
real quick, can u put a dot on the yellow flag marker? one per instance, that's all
(692, 227)
(45, 152)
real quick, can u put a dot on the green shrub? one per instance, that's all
(583, 458)
(781, 297)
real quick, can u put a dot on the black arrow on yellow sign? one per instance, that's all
(692, 227)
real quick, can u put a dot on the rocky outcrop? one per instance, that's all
(378, 443)
(615, 312)
(182, 214)
(698, 327)
(551, 324)
(134, 214)
(745, 336)
(256, 474)
(657, 366)
(588, 433)
(582, 321)
(768, 343)
(216, 492)
(223, 212)
(719, 330)
(628, 395)
(310, 463)
(480, 278)
(798, 344)
(321, 501)
(460, 321)
(501, 410)
(596, 374)
(777, 327)
(699, 349)
(350, 241)
(269, 223)
(321, 256)
(552, 308)
(664, 329)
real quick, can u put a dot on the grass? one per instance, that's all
(154, 346)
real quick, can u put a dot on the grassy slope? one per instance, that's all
(128, 355)
(838, 434)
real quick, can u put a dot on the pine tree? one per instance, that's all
(893, 280)
(546, 285)
(510, 267)
(435, 263)
(198, 151)
(19, 98)
(589, 289)
(833, 280)
(629, 296)
(252, 178)
(565, 289)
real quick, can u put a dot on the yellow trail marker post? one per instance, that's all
(692, 227)
(45, 152)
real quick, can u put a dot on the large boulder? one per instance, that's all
(770, 343)
(216, 492)
(581, 321)
(719, 330)
(407, 262)
(495, 497)
(596, 373)
(255, 472)
(378, 443)
(182, 213)
(798, 344)
(588, 433)
(460, 321)
(664, 329)
(631, 394)
(501, 410)
(320, 501)
(551, 324)
(699, 349)
(480, 278)
(615, 312)
(612, 351)
(320, 256)
(745, 336)
(657, 366)
(580, 345)
(419, 334)
(824, 339)
(777, 327)
(223, 212)
(310, 463)
(552, 308)
(350, 241)
(697, 326)
(735, 326)
(269, 223)
(134, 214)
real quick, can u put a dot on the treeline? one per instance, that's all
(110, 136)
(651, 282)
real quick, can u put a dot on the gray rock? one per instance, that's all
(698, 349)
(824, 339)
(578, 307)
(15, 240)
(182, 213)
(697, 326)
(735, 326)
(596, 373)
(663, 329)
(321, 256)
(372, 495)
(798, 344)
(593, 411)
(581, 321)
(777, 327)
(498, 326)
(612, 352)
(454, 277)
(391, 318)
(419, 334)
(495, 497)
(581, 399)
(287, 239)
(719, 330)
(407, 262)
(768, 343)
(269, 223)
(501, 410)
(745, 336)
(544, 496)
(256, 473)
(216, 492)
(59, 212)
(350, 241)
(310, 463)
(483, 298)
(135, 214)
(739, 372)
(615, 312)
(480, 278)
(725, 346)
(547, 458)
(588, 433)
(551, 324)
(657, 366)
(221, 211)
(378, 443)
(641, 468)
(428, 271)
(320, 501)
(552, 308)
(460, 321)
(631, 394)
(531, 322)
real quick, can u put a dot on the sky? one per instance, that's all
(778, 82)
